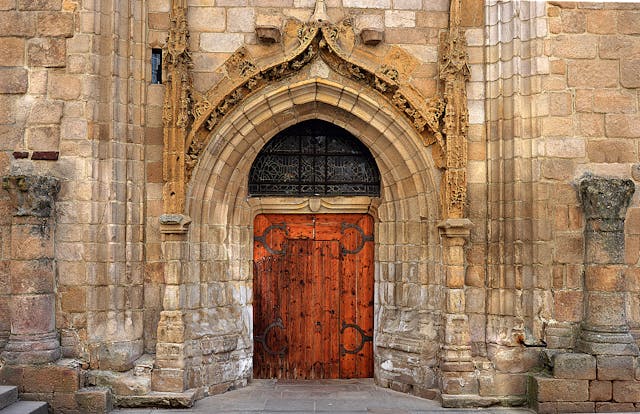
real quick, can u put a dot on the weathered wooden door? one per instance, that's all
(313, 296)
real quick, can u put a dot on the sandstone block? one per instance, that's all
(502, 384)
(13, 80)
(43, 138)
(565, 148)
(32, 276)
(622, 125)
(221, 42)
(241, 19)
(55, 24)
(14, 23)
(612, 407)
(628, 22)
(568, 305)
(600, 390)
(630, 73)
(574, 47)
(45, 112)
(63, 86)
(12, 51)
(619, 47)
(74, 299)
(396, 18)
(616, 367)
(207, 19)
(557, 169)
(367, 4)
(168, 380)
(459, 383)
(574, 366)
(626, 391)
(602, 21)
(39, 4)
(555, 389)
(51, 378)
(612, 151)
(604, 278)
(573, 21)
(593, 73)
(94, 400)
(614, 101)
(47, 52)
(575, 407)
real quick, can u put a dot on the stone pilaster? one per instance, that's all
(458, 376)
(604, 329)
(33, 338)
(170, 371)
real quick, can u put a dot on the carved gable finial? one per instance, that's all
(320, 15)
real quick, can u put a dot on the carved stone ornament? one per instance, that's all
(190, 117)
(32, 195)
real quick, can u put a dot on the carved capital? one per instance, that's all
(605, 198)
(174, 223)
(32, 195)
(456, 227)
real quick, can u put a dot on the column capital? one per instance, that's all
(605, 198)
(32, 195)
(456, 227)
(174, 223)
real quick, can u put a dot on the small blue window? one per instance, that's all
(156, 66)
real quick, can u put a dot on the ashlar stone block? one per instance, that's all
(574, 366)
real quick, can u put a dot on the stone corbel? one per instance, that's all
(174, 223)
(456, 227)
(372, 36)
(268, 34)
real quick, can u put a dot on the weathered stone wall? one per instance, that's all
(35, 49)
(71, 95)
(515, 262)
(591, 96)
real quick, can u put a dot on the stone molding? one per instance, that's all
(190, 118)
(32, 195)
(310, 205)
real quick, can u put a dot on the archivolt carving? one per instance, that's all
(440, 120)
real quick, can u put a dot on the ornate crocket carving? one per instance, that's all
(454, 71)
(176, 114)
(439, 120)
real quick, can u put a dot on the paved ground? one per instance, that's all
(330, 396)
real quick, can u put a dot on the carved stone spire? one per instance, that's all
(320, 15)
(176, 113)
(454, 71)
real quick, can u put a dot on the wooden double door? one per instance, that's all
(313, 296)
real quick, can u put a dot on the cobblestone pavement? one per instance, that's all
(330, 396)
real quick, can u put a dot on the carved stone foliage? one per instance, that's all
(191, 116)
(313, 41)
(454, 72)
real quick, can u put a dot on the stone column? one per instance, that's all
(604, 329)
(170, 371)
(33, 338)
(458, 371)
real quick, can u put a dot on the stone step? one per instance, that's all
(8, 395)
(26, 407)
(157, 399)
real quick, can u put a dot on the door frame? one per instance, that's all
(322, 205)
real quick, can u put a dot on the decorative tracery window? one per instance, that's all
(314, 157)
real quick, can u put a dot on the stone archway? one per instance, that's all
(204, 334)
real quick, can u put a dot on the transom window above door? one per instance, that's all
(314, 157)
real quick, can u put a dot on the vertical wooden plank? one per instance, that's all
(365, 300)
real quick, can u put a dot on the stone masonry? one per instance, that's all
(507, 231)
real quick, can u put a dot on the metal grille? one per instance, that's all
(314, 158)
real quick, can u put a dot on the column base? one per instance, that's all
(601, 341)
(32, 349)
